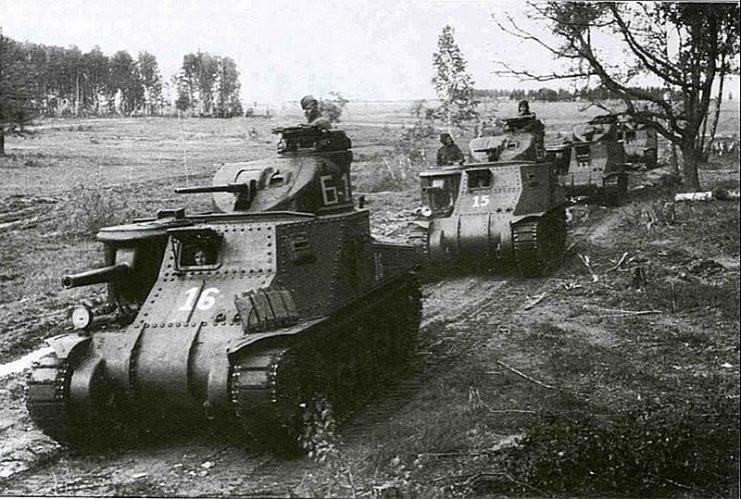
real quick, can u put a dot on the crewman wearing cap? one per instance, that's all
(311, 110)
(449, 153)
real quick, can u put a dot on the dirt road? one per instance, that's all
(461, 314)
(205, 465)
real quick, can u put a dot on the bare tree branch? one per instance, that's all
(509, 71)
(658, 65)
(523, 35)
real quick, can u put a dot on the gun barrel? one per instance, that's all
(212, 188)
(96, 276)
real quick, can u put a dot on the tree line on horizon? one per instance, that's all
(690, 48)
(51, 81)
(599, 93)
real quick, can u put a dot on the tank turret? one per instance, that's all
(244, 316)
(310, 174)
(520, 139)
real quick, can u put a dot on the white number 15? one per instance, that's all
(480, 201)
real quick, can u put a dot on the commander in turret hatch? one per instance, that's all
(313, 116)
(523, 109)
(526, 120)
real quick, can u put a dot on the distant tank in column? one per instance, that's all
(504, 210)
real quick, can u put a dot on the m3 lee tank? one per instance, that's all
(593, 164)
(639, 141)
(593, 169)
(505, 209)
(242, 315)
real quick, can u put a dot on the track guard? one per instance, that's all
(69, 346)
(88, 384)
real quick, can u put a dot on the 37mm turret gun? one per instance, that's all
(240, 188)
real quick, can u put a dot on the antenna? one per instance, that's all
(185, 150)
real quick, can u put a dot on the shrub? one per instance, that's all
(413, 142)
(91, 209)
(657, 450)
(333, 107)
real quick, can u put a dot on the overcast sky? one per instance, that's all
(283, 48)
(380, 49)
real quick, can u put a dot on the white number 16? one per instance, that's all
(205, 301)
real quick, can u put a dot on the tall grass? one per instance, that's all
(91, 209)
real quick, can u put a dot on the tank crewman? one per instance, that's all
(313, 116)
(449, 153)
(523, 109)
(526, 120)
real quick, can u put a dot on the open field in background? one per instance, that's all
(623, 390)
(557, 116)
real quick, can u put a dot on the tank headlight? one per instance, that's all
(82, 317)
(426, 211)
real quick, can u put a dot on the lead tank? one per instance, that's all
(243, 316)
(505, 209)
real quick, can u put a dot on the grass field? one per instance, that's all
(601, 387)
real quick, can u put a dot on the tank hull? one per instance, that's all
(592, 169)
(254, 386)
(494, 216)
(203, 329)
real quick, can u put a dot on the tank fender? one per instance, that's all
(527, 218)
(88, 383)
(610, 175)
(422, 224)
(240, 345)
(69, 346)
(217, 387)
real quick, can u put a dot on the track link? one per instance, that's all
(50, 405)
(48, 390)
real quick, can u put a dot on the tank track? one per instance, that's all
(344, 362)
(48, 400)
(615, 189)
(539, 244)
(48, 391)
